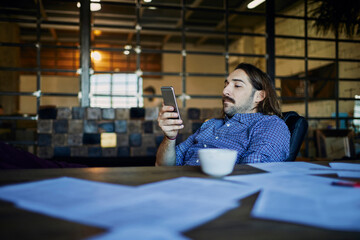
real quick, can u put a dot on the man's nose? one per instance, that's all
(226, 91)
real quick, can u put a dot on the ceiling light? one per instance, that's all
(95, 55)
(94, 5)
(152, 8)
(254, 3)
(127, 49)
(147, 1)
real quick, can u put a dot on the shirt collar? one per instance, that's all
(245, 118)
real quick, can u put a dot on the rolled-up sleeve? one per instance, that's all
(182, 148)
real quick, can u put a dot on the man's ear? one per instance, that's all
(259, 96)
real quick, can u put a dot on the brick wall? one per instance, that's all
(78, 132)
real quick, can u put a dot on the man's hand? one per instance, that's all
(168, 125)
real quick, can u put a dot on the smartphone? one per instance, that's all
(169, 98)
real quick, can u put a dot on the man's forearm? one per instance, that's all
(165, 155)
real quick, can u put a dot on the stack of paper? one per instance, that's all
(163, 209)
(349, 170)
(176, 205)
(310, 200)
(293, 167)
(207, 190)
(298, 208)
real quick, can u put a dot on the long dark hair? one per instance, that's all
(261, 81)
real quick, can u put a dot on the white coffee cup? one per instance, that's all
(217, 162)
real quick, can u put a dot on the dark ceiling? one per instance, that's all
(160, 20)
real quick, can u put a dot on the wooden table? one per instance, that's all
(236, 224)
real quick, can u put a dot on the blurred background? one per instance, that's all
(116, 54)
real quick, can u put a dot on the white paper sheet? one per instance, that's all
(293, 167)
(298, 184)
(304, 209)
(149, 232)
(351, 170)
(184, 203)
(172, 213)
(65, 197)
(304, 199)
(113, 206)
(199, 188)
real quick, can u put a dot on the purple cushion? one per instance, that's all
(12, 158)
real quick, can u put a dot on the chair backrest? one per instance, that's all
(298, 127)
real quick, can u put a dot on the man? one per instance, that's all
(151, 101)
(252, 124)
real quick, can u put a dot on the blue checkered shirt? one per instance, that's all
(256, 137)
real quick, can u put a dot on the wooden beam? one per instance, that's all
(44, 15)
(220, 25)
(179, 22)
(130, 37)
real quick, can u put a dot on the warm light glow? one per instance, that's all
(97, 32)
(126, 52)
(254, 3)
(108, 140)
(96, 56)
(97, 169)
(94, 5)
(147, 1)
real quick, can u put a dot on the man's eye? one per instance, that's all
(237, 86)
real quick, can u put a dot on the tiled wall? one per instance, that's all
(76, 132)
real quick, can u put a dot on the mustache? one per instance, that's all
(228, 98)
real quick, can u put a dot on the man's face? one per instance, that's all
(239, 96)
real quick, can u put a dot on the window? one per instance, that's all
(357, 113)
(116, 91)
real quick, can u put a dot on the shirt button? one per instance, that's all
(228, 125)
(216, 137)
(197, 160)
(205, 145)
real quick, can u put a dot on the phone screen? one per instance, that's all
(169, 98)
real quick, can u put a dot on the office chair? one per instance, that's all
(298, 127)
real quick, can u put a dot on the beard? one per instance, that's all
(246, 107)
